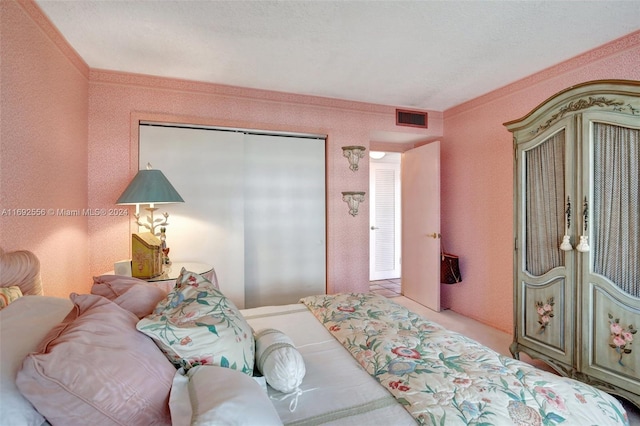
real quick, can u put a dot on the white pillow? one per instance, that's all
(211, 395)
(278, 360)
(23, 325)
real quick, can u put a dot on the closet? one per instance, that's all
(254, 207)
(577, 234)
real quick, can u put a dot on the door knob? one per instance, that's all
(374, 227)
(434, 235)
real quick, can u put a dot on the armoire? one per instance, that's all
(577, 234)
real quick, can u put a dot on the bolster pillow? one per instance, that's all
(278, 360)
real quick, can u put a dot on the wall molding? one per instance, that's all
(102, 76)
(599, 53)
(40, 19)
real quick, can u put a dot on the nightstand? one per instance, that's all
(167, 279)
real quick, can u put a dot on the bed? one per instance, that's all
(130, 354)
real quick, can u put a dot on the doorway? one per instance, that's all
(416, 223)
(384, 217)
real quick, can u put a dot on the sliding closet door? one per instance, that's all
(284, 249)
(206, 168)
(254, 208)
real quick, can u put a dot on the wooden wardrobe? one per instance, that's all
(577, 234)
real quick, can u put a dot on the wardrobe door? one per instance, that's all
(545, 273)
(284, 213)
(206, 168)
(611, 267)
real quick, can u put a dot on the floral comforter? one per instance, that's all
(445, 378)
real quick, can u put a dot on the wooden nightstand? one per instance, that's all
(167, 280)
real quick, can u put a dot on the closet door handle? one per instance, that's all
(566, 239)
(373, 228)
(583, 245)
(585, 214)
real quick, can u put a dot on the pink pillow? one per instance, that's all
(96, 368)
(133, 294)
(112, 286)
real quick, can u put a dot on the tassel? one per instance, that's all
(566, 244)
(583, 245)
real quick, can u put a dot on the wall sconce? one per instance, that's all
(353, 154)
(353, 199)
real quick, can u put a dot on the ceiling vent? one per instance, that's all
(411, 118)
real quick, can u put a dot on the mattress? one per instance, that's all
(336, 390)
(372, 361)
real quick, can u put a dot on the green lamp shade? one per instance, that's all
(150, 187)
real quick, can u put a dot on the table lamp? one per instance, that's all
(150, 187)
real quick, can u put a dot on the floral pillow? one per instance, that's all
(8, 295)
(196, 324)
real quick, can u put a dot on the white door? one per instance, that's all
(203, 166)
(384, 241)
(421, 225)
(284, 215)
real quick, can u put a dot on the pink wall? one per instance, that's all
(65, 129)
(117, 101)
(477, 176)
(69, 142)
(43, 145)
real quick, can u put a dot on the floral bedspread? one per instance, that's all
(444, 378)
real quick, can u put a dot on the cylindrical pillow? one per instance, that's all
(278, 360)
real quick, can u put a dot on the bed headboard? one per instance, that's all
(21, 268)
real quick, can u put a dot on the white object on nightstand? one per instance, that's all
(122, 267)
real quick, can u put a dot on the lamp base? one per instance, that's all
(146, 256)
(152, 223)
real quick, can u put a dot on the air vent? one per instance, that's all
(411, 118)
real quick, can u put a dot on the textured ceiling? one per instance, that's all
(419, 54)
